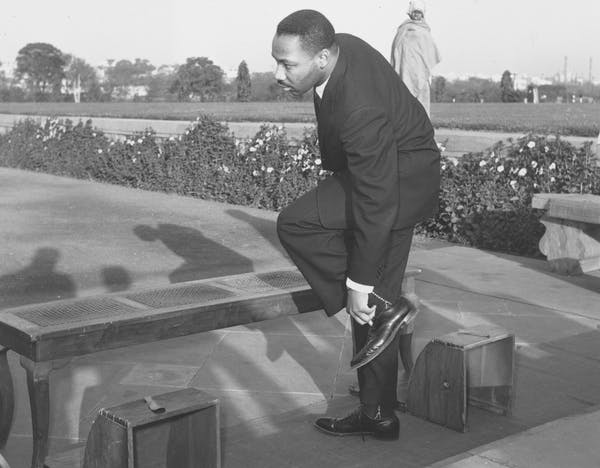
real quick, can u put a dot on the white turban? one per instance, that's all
(416, 5)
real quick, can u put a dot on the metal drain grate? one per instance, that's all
(247, 283)
(263, 282)
(285, 279)
(79, 311)
(178, 296)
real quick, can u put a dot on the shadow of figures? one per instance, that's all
(38, 282)
(116, 278)
(265, 227)
(202, 257)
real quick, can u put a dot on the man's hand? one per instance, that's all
(357, 307)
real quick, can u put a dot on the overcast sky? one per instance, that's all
(474, 36)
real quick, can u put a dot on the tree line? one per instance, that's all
(45, 73)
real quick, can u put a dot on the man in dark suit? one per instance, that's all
(351, 236)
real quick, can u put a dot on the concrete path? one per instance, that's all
(70, 238)
(456, 142)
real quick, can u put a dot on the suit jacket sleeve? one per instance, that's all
(368, 140)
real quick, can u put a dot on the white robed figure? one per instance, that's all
(414, 53)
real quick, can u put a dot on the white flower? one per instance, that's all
(513, 184)
(94, 134)
(541, 170)
(99, 151)
(225, 169)
(318, 162)
(454, 161)
(531, 144)
(268, 134)
(552, 166)
(500, 168)
(255, 173)
(133, 159)
(252, 149)
(552, 179)
(269, 170)
(260, 142)
(140, 141)
(482, 163)
(443, 167)
(534, 164)
(522, 172)
(171, 138)
(546, 149)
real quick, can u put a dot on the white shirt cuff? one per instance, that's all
(363, 288)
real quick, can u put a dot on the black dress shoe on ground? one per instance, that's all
(358, 423)
(385, 326)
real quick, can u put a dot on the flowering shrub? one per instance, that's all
(485, 198)
(265, 171)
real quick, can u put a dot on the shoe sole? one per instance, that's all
(348, 434)
(387, 342)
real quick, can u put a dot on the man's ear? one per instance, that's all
(323, 58)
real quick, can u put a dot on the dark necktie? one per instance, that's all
(317, 100)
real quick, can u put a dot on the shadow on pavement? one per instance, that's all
(202, 257)
(37, 282)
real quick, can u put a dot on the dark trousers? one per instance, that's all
(321, 254)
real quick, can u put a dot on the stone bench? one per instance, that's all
(45, 335)
(571, 242)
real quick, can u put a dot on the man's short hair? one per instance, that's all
(315, 31)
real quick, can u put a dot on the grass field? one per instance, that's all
(567, 119)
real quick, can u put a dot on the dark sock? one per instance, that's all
(376, 411)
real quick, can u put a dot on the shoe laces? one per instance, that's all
(355, 416)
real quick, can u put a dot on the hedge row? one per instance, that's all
(484, 202)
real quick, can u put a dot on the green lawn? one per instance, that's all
(568, 119)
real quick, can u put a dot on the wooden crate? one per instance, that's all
(468, 367)
(184, 435)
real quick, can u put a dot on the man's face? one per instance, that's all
(297, 70)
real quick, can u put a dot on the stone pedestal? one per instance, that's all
(571, 242)
(571, 247)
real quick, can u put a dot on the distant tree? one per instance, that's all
(244, 85)
(159, 85)
(3, 79)
(80, 74)
(41, 66)
(199, 78)
(124, 73)
(438, 88)
(507, 88)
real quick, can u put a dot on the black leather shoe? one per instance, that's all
(358, 423)
(386, 324)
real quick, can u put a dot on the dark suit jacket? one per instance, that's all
(378, 140)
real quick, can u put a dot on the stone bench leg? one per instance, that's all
(7, 400)
(38, 384)
(571, 247)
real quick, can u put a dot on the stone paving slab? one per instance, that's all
(274, 377)
(568, 442)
